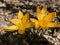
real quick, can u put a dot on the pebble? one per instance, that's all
(2, 4)
(31, 3)
(58, 36)
(15, 33)
(26, 2)
(24, 10)
(21, 4)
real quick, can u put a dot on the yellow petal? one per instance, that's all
(50, 16)
(20, 15)
(44, 12)
(11, 28)
(25, 18)
(0, 31)
(36, 25)
(29, 24)
(15, 21)
(41, 13)
(35, 22)
(53, 25)
(38, 13)
(21, 30)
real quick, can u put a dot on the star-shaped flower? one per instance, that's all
(20, 23)
(44, 19)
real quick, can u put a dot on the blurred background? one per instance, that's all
(9, 10)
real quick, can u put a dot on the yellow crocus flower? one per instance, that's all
(20, 23)
(44, 19)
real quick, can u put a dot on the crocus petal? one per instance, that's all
(0, 31)
(35, 22)
(21, 30)
(43, 24)
(15, 21)
(28, 25)
(53, 25)
(38, 11)
(11, 28)
(44, 12)
(36, 25)
(20, 15)
(50, 16)
(25, 18)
